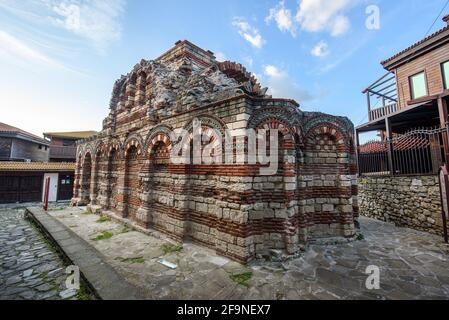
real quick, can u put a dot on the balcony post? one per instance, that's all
(357, 149)
(369, 105)
(389, 145)
(443, 113)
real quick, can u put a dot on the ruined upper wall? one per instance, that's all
(183, 78)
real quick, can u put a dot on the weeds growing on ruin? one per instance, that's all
(103, 219)
(169, 248)
(103, 236)
(242, 278)
(132, 260)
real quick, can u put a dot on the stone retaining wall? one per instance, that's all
(410, 201)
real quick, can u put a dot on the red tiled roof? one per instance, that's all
(411, 143)
(373, 147)
(399, 145)
(6, 128)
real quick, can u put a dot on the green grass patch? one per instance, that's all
(242, 278)
(56, 209)
(44, 275)
(125, 229)
(103, 236)
(83, 293)
(169, 248)
(103, 219)
(360, 237)
(132, 260)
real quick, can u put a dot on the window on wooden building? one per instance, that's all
(445, 70)
(418, 85)
(67, 143)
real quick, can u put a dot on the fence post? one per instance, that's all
(446, 144)
(46, 192)
(443, 114)
(357, 150)
(389, 145)
(444, 196)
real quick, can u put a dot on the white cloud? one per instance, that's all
(273, 71)
(248, 32)
(320, 50)
(283, 18)
(340, 26)
(220, 57)
(95, 20)
(324, 15)
(17, 52)
(281, 85)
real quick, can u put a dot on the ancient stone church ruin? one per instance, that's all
(126, 170)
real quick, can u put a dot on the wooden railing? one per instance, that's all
(383, 111)
(62, 152)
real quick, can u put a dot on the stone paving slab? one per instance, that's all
(413, 265)
(30, 269)
(105, 282)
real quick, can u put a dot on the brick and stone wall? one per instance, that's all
(229, 207)
(409, 201)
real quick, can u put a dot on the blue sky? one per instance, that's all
(60, 58)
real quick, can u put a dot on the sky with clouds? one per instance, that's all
(60, 58)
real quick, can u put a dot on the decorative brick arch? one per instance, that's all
(342, 139)
(134, 141)
(210, 127)
(340, 124)
(285, 120)
(208, 121)
(290, 117)
(113, 145)
(98, 156)
(80, 157)
(159, 137)
(100, 149)
(87, 151)
(158, 130)
(85, 176)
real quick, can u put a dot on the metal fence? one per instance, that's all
(419, 151)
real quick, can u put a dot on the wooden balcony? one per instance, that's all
(382, 112)
(383, 92)
(63, 152)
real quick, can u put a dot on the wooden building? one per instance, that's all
(24, 181)
(19, 145)
(399, 179)
(62, 144)
(25, 165)
(412, 95)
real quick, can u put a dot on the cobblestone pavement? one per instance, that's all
(413, 265)
(29, 268)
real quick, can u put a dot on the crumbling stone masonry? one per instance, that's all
(126, 169)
